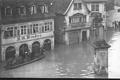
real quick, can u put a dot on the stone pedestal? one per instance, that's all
(101, 57)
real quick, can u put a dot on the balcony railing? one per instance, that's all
(77, 26)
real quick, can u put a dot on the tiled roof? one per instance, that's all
(60, 6)
(95, 0)
(15, 18)
(26, 2)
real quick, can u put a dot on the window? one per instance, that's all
(51, 25)
(77, 19)
(8, 11)
(33, 10)
(35, 28)
(77, 6)
(22, 10)
(23, 30)
(44, 9)
(8, 33)
(47, 27)
(31, 29)
(15, 31)
(95, 7)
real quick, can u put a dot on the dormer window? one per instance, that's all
(44, 8)
(33, 10)
(95, 7)
(8, 11)
(77, 6)
(22, 10)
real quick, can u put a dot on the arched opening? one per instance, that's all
(10, 53)
(47, 45)
(23, 51)
(35, 49)
(84, 36)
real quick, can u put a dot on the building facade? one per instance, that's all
(97, 7)
(26, 27)
(74, 19)
(113, 15)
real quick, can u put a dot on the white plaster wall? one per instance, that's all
(72, 12)
(101, 7)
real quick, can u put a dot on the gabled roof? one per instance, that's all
(61, 6)
(89, 1)
(25, 2)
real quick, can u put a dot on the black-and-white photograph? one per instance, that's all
(60, 39)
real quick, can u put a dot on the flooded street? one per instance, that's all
(64, 62)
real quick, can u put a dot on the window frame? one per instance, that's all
(10, 11)
(77, 19)
(95, 7)
(24, 10)
(33, 9)
(44, 8)
(77, 6)
(9, 32)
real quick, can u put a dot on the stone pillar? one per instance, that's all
(17, 51)
(3, 54)
(101, 57)
(52, 43)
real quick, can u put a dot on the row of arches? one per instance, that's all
(23, 50)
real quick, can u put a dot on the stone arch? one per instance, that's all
(47, 45)
(36, 51)
(23, 50)
(10, 53)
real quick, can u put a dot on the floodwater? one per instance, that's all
(73, 61)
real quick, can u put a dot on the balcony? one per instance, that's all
(77, 26)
